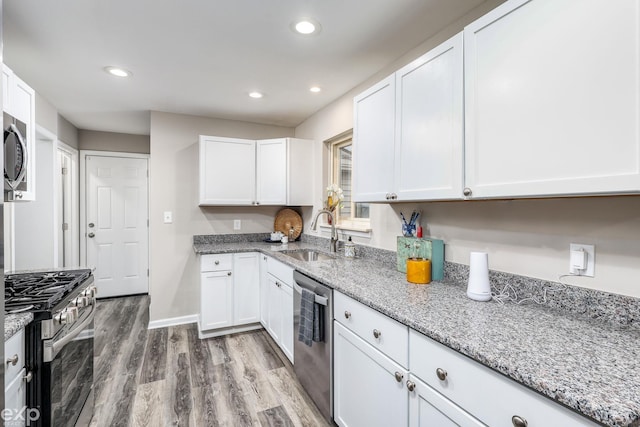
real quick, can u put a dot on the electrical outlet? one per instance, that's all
(578, 254)
(237, 224)
(168, 217)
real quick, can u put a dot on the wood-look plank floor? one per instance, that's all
(170, 377)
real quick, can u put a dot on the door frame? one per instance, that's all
(83, 199)
(74, 225)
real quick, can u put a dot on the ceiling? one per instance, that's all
(203, 57)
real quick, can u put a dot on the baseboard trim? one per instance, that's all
(173, 321)
(227, 331)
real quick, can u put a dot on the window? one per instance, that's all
(352, 215)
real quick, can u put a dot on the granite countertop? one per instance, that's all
(588, 365)
(13, 323)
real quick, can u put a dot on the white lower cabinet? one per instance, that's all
(15, 380)
(366, 391)
(279, 307)
(229, 293)
(264, 290)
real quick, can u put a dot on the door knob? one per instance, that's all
(91, 235)
(91, 225)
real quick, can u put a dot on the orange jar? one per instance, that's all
(418, 270)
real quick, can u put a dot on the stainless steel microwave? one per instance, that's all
(16, 158)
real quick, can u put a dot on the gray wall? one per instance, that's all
(46, 114)
(67, 132)
(111, 141)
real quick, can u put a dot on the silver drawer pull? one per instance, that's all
(441, 373)
(28, 377)
(13, 360)
(518, 421)
(216, 262)
(399, 376)
(347, 314)
(376, 333)
(411, 385)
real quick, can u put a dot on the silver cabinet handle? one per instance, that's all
(347, 314)
(376, 333)
(466, 191)
(228, 273)
(399, 376)
(13, 360)
(28, 377)
(91, 235)
(216, 262)
(411, 385)
(441, 374)
(518, 421)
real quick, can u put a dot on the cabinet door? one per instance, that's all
(246, 288)
(216, 300)
(287, 320)
(429, 125)
(15, 399)
(366, 392)
(373, 142)
(274, 315)
(552, 101)
(264, 291)
(271, 167)
(227, 171)
(428, 408)
(6, 81)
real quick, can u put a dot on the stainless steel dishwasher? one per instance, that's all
(313, 365)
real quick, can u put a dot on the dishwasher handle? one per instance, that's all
(319, 299)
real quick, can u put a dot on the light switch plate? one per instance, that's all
(590, 250)
(168, 217)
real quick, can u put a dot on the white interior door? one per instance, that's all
(117, 233)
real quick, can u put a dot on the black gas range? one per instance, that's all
(59, 342)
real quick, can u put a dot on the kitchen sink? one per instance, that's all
(308, 255)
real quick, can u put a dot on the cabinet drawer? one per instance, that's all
(392, 336)
(13, 347)
(216, 262)
(491, 397)
(280, 271)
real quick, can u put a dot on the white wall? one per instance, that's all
(527, 237)
(173, 185)
(112, 141)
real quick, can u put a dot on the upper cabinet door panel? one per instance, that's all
(429, 125)
(552, 99)
(227, 171)
(271, 158)
(373, 142)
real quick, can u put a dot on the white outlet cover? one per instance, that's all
(591, 259)
(237, 225)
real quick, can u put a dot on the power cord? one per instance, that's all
(509, 293)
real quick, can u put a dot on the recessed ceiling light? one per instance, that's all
(117, 71)
(256, 95)
(315, 89)
(306, 26)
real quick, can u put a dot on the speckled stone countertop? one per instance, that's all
(14, 322)
(588, 365)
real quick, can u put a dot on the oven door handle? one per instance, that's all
(319, 298)
(51, 350)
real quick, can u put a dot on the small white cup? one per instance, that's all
(284, 240)
(275, 236)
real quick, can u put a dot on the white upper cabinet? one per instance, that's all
(19, 101)
(408, 131)
(373, 142)
(552, 101)
(227, 171)
(429, 125)
(245, 172)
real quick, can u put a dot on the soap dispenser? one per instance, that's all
(349, 248)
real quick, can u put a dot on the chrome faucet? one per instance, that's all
(334, 232)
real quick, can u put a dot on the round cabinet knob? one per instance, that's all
(216, 262)
(91, 235)
(411, 385)
(441, 374)
(347, 314)
(394, 196)
(399, 376)
(387, 196)
(376, 333)
(13, 360)
(91, 225)
(257, 203)
(518, 421)
(228, 273)
(466, 191)
(18, 195)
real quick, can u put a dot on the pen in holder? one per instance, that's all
(409, 227)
